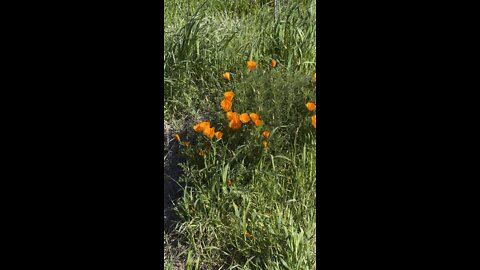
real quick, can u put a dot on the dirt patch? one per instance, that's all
(171, 175)
(171, 159)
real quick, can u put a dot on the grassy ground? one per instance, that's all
(248, 201)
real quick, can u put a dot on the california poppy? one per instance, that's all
(265, 144)
(177, 137)
(258, 122)
(314, 121)
(212, 133)
(209, 132)
(200, 127)
(315, 76)
(244, 118)
(201, 153)
(251, 65)
(218, 134)
(206, 131)
(266, 134)
(232, 115)
(235, 123)
(254, 117)
(248, 235)
(226, 75)
(229, 95)
(274, 63)
(310, 106)
(226, 105)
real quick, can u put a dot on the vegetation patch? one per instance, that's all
(240, 95)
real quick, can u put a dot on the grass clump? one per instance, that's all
(249, 174)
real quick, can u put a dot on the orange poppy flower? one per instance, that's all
(212, 133)
(206, 131)
(310, 106)
(314, 121)
(244, 118)
(177, 137)
(201, 153)
(235, 124)
(229, 95)
(248, 235)
(265, 144)
(209, 132)
(226, 105)
(251, 65)
(226, 75)
(218, 134)
(254, 117)
(315, 76)
(232, 115)
(258, 122)
(200, 127)
(266, 134)
(274, 63)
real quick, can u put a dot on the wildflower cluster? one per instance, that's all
(236, 120)
(209, 132)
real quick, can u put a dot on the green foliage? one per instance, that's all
(243, 206)
(204, 39)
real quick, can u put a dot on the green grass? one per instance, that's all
(272, 192)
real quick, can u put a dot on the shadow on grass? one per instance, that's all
(171, 175)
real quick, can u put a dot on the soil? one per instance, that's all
(171, 175)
